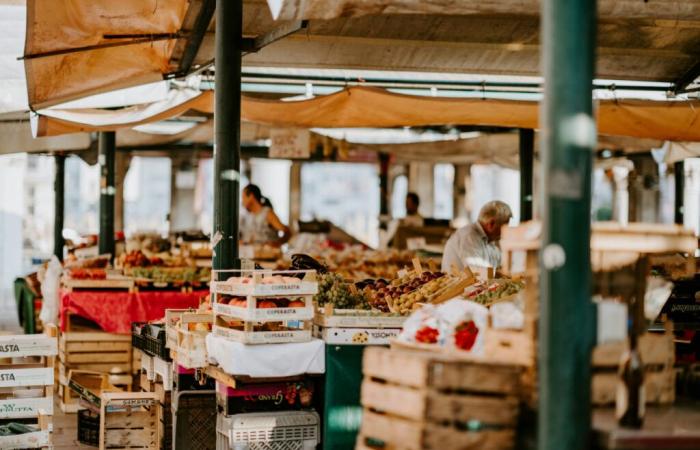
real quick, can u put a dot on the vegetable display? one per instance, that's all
(488, 292)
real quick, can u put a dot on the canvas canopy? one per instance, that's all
(378, 108)
(79, 47)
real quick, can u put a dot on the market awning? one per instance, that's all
(378, 108)
(607, 9)
(78, 47)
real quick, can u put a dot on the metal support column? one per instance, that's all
(384, 190)
(59, 183)
(679, 176)
(227, 148)
(567, 315)
(106, 147)
(527, 154)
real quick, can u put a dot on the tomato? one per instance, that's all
(267, 304)
(296, 304)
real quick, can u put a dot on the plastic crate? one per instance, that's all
(88, 427)
(150, 338)
(194, 420)
(265, 397)
(286, 430)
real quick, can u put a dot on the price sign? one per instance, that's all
(290, 143)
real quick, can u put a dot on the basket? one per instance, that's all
(88, 427)
(194, 420)
(150, 338)
(287, 430)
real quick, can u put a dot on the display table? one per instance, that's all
(674, 427)
(114, 311)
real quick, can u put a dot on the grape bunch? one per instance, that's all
(334, 290)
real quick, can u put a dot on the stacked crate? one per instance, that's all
(94, 351)
(658, 356)
(156, 377)
(250, 308)
(26, 388)
(421, 401)
(156, 374)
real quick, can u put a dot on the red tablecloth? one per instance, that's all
(115, 311)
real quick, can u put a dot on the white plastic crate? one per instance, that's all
(287, 430)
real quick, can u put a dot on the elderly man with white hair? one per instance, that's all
(476, 244)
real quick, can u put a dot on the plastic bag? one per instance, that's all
(466, 322)
(49, 292)
(657, 294)
(507, 315)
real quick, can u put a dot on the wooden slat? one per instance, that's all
(428, 404)
(38, 376)
(96, 358)
(131, 438)
(99, 346)
(81, 336)
(655, 349)
(420, 369)
(405, 434)
(135, 419)
(27, 345)
(17, 408)
(659, 387)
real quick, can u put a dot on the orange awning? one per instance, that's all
(378, 108)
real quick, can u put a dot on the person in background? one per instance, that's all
(261, 225)
(476, 244)
(413, 218)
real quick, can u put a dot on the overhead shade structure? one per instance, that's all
(378, 108)
(79, 47)
(92, 45)
(53, 122)
(331, 9)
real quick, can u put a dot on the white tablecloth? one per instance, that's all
(269, 360)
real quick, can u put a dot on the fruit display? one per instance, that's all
(359, 263)
(333, 289)
(489, 292)
(87, 274)
(98, 262)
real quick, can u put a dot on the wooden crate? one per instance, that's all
(163, 407)
(97, 351)
(128, 420)
(657, 353)
(36, 439)
(190, 347)
(437, 402)
(26, 386)
(68, 401)
(245, 332)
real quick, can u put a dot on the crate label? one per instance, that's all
(357, 336)
(118, 404)
(243, 313)
(263, 337)
(40, 376)
(21, 408)
(28, 345)
(302, 288)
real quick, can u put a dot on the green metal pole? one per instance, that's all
(227, 148)
(527, 154)
(59, 183)
(106, 147)
(679, 176)
(567, 315)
